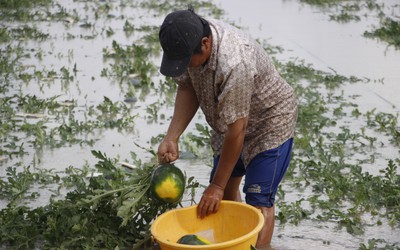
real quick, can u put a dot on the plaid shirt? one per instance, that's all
(239, 80)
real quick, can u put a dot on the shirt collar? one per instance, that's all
(212, 61)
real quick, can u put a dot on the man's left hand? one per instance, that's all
(210, 200)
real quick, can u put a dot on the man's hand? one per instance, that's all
(210, 200)
(167, 151)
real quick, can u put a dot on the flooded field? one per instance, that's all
(80, 79)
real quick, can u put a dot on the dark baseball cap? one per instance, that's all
(180, 34)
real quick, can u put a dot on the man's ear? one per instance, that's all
(205, 43)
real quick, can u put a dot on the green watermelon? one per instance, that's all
(192, 239)
(167, 183)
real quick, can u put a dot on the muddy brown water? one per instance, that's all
(303, 31)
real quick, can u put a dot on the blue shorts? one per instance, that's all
(263, 174)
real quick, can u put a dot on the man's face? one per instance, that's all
(197, 60)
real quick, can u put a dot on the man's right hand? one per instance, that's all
(167, 151)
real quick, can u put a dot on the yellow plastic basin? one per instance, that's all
(235, 227)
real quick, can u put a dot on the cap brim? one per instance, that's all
(174, 67)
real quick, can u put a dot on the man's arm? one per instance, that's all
(231, 149)
(186, 106)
